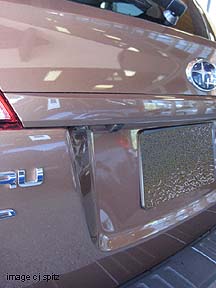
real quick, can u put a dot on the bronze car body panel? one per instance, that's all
(63, 110)
(83, 69)
(50, 225)
(121, 219)
(66, 47)
(42, 237)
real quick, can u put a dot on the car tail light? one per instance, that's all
(8, 118)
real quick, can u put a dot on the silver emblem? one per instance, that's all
(7, 213)
(13, 178)
(202, 74)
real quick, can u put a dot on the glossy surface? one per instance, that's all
(119, 267)
(121, 220)
(61, 46)
(81, 149)
(7, 213)
(50, 225)
(130, 72)
(49, 233)
(202, 74)
(63, 110)
(38, 179)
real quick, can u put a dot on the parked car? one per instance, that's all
(107, 141)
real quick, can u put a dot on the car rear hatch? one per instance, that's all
(141, 136)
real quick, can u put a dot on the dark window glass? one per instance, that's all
(147, 10)
(193, 21)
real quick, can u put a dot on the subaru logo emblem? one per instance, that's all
(202, 74)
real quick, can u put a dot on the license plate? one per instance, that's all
(174, 162)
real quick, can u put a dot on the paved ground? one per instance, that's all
(193, 267)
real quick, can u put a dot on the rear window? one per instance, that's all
(194, 20)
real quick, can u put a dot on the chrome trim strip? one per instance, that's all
(214, 144)
(141, 178)
(82, 142)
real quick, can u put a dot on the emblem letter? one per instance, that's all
(39, 175)
(8, 178)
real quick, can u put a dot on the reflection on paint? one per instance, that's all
(53, 103)
(63, 30)
(133, 49)
(112, 241)
(52, 75)
(106, 221)
(103, 86)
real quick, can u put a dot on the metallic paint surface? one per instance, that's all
(49, 232)
(62, 46)
(58, 46)
(123, 221)
(62, 110)
(114, 160)
(122, 266)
